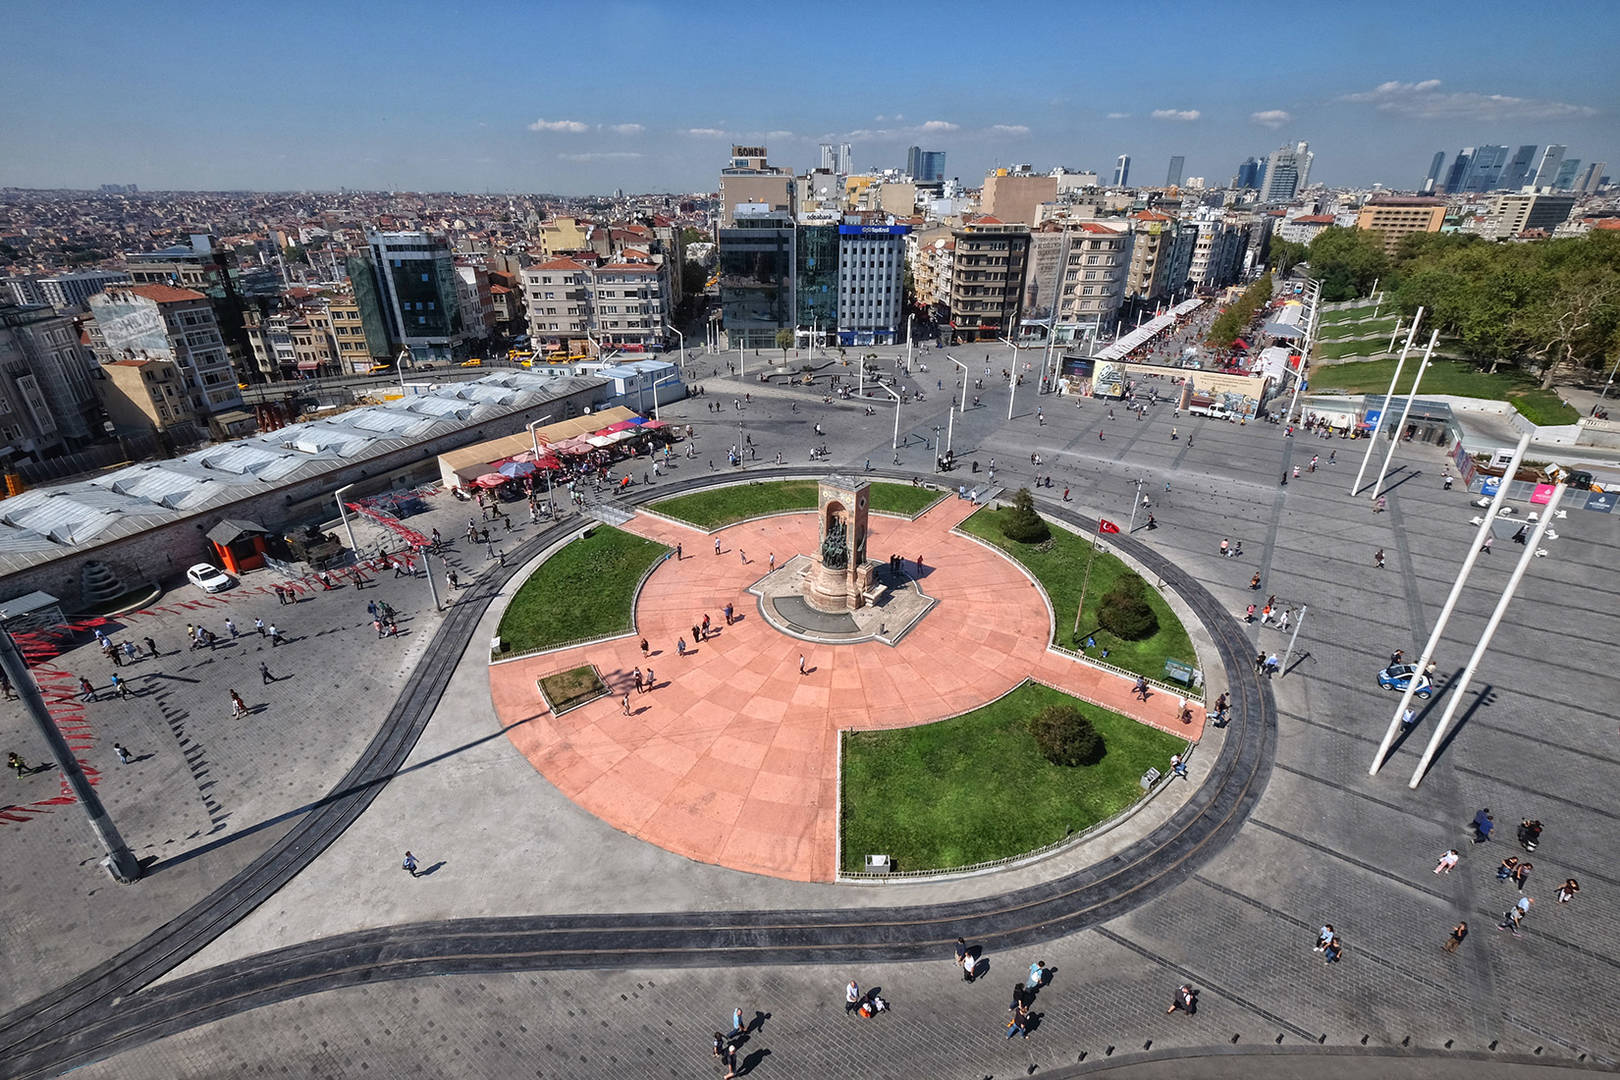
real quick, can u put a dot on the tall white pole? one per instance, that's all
(1046, 361)
(1393, 335)
(1455, 693)
(1389, 396)
(1451, 602)
(950, 428)
(1406, 410)
(682, 336)
(1305, 354)
(740, 360)
(962, 407)
(908, 344)
(1289, 652)
(1012, 376)
(343, 512)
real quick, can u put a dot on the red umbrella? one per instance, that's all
(490, 480)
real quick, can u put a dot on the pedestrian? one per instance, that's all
(130, 652)
(120, 686)
(452, 577)
(275, 636)
(1037, 975)
(1458, 932)
(1567, 891)
(1486, 546)
(15, 762)
(680, 646)
(1282, 620)
(1521, 874)
(1408, 718)
(86, 691)
(1505, 871)
(652, 680)
(110, 650)
(772, 564)
(1186, 1000)
(409, 865)
(264, 673)
(624, 703)
(743, 555)
(1248, 615)
(728, 611)
(1378, 558)
(1323, 936)
(717, 545)
(728, 1058)
(1018, 1024)
(1272, 664)
(1447, 861)
(705, 625)
(1178, 767)
(258, 624)
(151, 646)
(1259, 662)
(1140, 690)
(1254, 582)
(852, 997)
(1265, 615)
(960, 952)
(697, 633)
(737, 1025)
(644, 648)
(230, 628)
(1332, 951)
(677, 551)
(801, 665)
(1483, 824)
(239, 707)
(1514, 917)
(123, 754)
(970, 966)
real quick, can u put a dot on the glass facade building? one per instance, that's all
(756, 277)
(816, 289)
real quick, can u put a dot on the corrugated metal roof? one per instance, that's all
(47, 523)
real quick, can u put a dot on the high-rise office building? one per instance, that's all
(925, 166)
(1460, 167)
(749, 178)
(1552, 159)
(1591, 179)
(1566, 174)
(1122, 170)
(408, 292)
(1486, 172)
(1248, 175)
(1288, 171)
(1172, 178)
(845, 163)
(1517, 173)
(1433, 178)
(829, 157)
(872, 266)
(757, 256)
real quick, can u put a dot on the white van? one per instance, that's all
(1212, 409)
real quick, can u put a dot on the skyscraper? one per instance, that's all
(1591, 179)
(1288, 171)
(1248, 174)
(1460, 166)
(1517, 173)
(829, 157)
(1486, 173)
(1433, 178)
(408, 294)
(1552, 159)
(1122, 170)
(845, 153)
(1173, 177)
(1566, 174)
(925, 166)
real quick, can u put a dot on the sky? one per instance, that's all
(576, 98)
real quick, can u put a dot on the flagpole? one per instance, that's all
(1086, 580)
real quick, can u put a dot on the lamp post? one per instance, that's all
(534, 436)
(1012, 376)
(1406, 410)
(962, 408)
(895, 444)
(682, 336)
(120, 862)
(1131, 527)
(656, 385)
(1389, 395)
(343, 512)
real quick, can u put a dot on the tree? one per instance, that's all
(784, 341)
(693, 278)
(295, 253)
(1348, 261)
(1124, 610)
(690, 235)
(1021, 524)
(1287, 254)
(1066, 737)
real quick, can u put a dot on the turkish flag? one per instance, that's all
(1104, 525)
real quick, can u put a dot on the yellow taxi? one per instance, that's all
(474, 362)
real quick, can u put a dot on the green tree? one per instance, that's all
(1287, 254)
(1066, 737)
(690, 235)
(295, 253)
(693, 278)
(1348, 261)
(1021, 524)
(784, 341)
(1124, 610)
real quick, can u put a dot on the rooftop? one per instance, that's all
(163, 294)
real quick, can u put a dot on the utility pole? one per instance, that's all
(1289, 652)
(1131, 527)
(1085, 579)
(120, 862)
(1455, 692)
(1389, 396)
(1451, 602)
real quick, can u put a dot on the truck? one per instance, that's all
(1202, 406)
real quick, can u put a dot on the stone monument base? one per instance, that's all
(897, 604)
(826, 589)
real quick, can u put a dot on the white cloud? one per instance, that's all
(932, 127)
(1119, 116)
(572, 127)
(1271, 118)
(602, 155)
(705, 133)
(1426, 101)
(1008, 129)
(626, 129)
(780, 135)
(1182, 115)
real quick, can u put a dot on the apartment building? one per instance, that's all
(349, 336)
(871, 279)
(170, 323)
(47, 399)
(1520, 212)
(557, 294)
(629, 304)
(147, 395)
(986, 278)
(1397, 216)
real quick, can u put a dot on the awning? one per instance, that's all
(599, 440)
(653, 425)
(1239, 343)
(636, 421)
(516, 469)
(620, 426)
(308, 365)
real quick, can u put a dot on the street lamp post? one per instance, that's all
(343, 512)
(1131, 527)
(1406, 410)
(895, 444)
(1389, 395)
(682, 336)
(656, 385)
(1012, 376)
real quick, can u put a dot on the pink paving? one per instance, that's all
(732, 758)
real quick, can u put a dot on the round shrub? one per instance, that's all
(1020, 523)
(1124, 610)
(1066, 737)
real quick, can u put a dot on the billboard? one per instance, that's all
(1108, 379)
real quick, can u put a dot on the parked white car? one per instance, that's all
(209, 579)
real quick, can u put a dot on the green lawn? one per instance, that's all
(1457, 377)
(1379, 327)
(1058, 565)
(1360, 311)
(583, 591)
(716, 507)
(975, 788)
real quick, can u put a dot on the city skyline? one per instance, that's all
(99, 97)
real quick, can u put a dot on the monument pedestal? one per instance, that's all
(839, 573)
(827, 589)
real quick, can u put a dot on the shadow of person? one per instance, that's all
(981, 967)
(757, 1023)
(752, 1060)
(434, 869)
